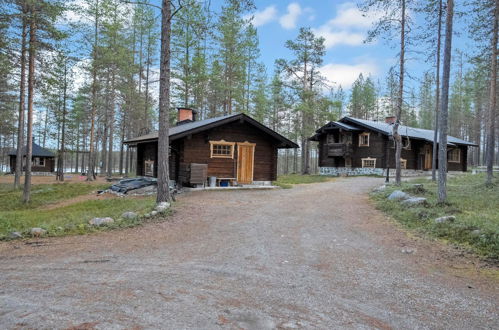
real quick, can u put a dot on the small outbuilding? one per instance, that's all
(235, 149)
(42, 160)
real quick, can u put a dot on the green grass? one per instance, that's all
(69, 219)
(286, 181)
(475, 206)
(43, 194)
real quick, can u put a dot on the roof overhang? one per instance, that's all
(332, 126)
(283, 142)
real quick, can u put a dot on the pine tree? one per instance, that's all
(303, 76)
(443, 116)
(395, 20)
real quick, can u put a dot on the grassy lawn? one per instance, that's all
(286, 181)
(66, 219)
(475, 207)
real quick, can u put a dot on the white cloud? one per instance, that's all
(340, 37)
(346, 74)
(288, 20)
(348, 27)
(263, 17)
(349, 15)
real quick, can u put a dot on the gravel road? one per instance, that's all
(315, 256)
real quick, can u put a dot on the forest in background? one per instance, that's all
(96, 64)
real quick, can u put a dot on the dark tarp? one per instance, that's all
(131, 184)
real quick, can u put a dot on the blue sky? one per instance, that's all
(344, 28)
(339, 22)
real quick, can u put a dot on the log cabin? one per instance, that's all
(236, 149)
(42, 160)
(354, 146)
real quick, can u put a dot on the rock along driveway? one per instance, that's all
(315, 256)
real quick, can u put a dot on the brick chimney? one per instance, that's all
(185, 115)
(390, 120)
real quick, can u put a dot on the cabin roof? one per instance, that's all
(38, 151)
(180, 131)
(387, 129)
(412, 132)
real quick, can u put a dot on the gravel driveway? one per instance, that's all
(315, 256)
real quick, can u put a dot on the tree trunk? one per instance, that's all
(60, 158)
(122, 147)
(400, 100)
(31, 94)
(164, 105)
(148, 65)
(91, 155)
(110, 162)
(77, 147)
(492, 99)
(443, 124)
(437, 96)
(22, 90)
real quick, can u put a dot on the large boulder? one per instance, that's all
(15, 234)
(162, 207)
(101, 221)
(445, 219)
(37, 232)
(398, 195)
(414, 201)
(129, 215)
(379, 189)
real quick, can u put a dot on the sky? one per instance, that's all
(339, 22)
(344, 28)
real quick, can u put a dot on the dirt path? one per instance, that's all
(315, 256)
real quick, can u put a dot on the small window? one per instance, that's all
(330, 139)
(222, 149)
(364, 140)
(38, 161)
(454, 155)
(403, 163)
(369, 162)
(149, 167)
(348, 162)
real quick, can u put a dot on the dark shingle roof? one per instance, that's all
(176, 132)
(37, 151)
(412, 132)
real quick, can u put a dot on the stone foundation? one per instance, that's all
(350, 171)
(355, 171)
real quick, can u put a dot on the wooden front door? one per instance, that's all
(245, 162)
(427, 157)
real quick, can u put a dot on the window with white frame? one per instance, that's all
(364, 140)
(221, 149)
(369, 162)
(454, 155)
(403, 163)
